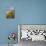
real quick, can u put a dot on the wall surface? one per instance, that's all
(27, 12)
(6, 25)
(31, 11)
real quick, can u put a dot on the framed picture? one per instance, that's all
(32, 32)
(10, 14)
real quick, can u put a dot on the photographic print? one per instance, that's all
(29, 33)
(10, 13)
